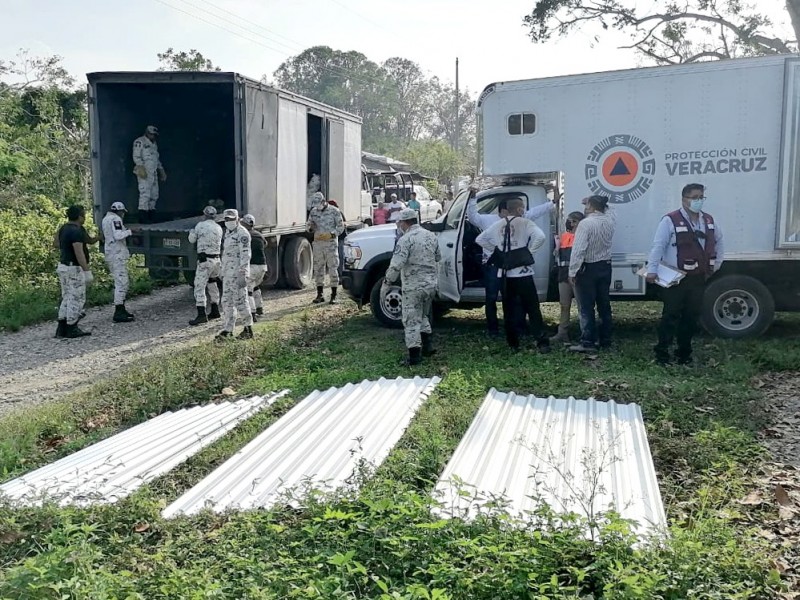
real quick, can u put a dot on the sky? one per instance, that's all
(253, 37)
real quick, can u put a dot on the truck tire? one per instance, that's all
(388, 309)
(737, 306)
(298, 263)
(157, 269)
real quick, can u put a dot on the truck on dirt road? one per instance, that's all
(637, 136)
(230, 141)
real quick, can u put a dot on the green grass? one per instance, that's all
(383, 542)
(29, 302)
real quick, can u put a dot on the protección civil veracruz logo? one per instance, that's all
(621, 167)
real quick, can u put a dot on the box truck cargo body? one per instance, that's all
(639, 136)
(227, 140)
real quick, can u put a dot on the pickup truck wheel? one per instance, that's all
(737, 306)
(387, 308)
(298, 262)
(158, 268)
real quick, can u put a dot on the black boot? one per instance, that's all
(260, 311)
(222, 336)
(319, 299)
(333, 299)
(247, 333)
(214, 314)
(427, 345)
(73, 331)
(200, 318)
(414, 357)
(125, 310)
(144, 217)
(61, 330)
(255, 317)
(121, 315)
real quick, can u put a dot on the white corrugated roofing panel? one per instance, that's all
(319, 444)
(112, 469)
(581, 456)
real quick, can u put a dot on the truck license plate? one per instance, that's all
(172, 243)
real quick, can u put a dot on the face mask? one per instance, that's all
(697, 204)
(230, 225)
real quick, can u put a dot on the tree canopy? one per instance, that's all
(670, 32)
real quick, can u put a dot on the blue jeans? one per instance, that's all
(592, 288)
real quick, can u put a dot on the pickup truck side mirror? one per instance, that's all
(435, 227)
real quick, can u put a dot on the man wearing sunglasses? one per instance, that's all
(686, 239)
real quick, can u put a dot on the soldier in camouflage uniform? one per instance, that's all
(414, 263)
(115, 246)
(326, 223)
(235, 271)
(146, 166)
(208, 237)
(73, 274)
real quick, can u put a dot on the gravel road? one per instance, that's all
(35, 367)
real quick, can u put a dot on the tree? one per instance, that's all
(185, 61)
(434, 158)
(408, 100)
(347, 80)
(443, 123)
(43, 133)
(668, 31)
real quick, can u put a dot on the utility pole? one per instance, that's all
(457, 132)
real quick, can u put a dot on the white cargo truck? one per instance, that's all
(638, 136)
(229, 140)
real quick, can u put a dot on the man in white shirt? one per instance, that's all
(395, 206)
(590, 273)
(688, 240)
(483, 222)
(510, 235)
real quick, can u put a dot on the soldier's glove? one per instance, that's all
(140, 171)
(241, 280)
(162, 174)
(88, 277)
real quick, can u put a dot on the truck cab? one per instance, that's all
(367, 253)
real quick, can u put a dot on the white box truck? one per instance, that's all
(229, 139)
(638, 136)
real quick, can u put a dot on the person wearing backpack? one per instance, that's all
(512, 242)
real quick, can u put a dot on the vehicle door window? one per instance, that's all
(457, 210)
(490, 204)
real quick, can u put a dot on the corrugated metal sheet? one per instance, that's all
(316, 445)
(112, 469)
(580, 456)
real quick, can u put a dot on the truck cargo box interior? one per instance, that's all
(196, 144)
(314, 132)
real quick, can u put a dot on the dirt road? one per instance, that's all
(35, 367)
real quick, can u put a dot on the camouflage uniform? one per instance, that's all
(208, 236)
(235, 270)
(414, 262)
(116, 253)
(73, 292)
(327, 225)
(145, 154)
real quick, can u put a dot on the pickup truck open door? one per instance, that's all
(451, 247)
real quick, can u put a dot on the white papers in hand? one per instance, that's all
(667, 276)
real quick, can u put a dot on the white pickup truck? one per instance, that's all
(367, 253)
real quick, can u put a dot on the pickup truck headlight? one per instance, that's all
(352, 252)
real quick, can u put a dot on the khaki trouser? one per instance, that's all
(257, 273)
(566, 293)
(326, 257)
